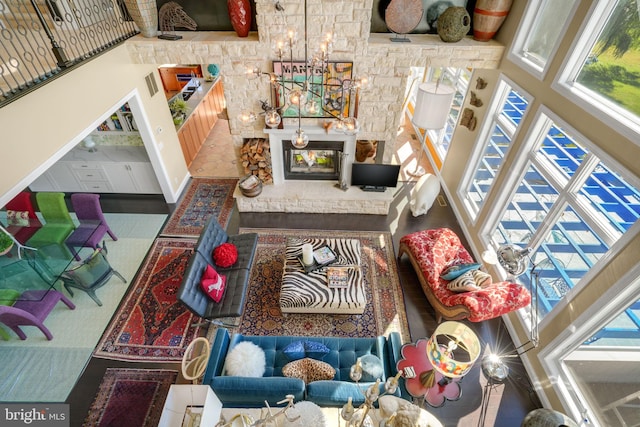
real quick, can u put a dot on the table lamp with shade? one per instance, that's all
(452, 350)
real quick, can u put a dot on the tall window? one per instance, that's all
(510, 106)
(570, 207)
(542, 25)
(604, 70)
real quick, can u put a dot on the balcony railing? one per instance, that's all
(39, 39)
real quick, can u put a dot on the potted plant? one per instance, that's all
(179, 110)
(6, 243)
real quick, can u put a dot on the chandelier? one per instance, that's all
(315, 87)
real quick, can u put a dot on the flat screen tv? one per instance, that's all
(374, 176)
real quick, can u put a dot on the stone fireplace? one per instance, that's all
(289, 164)
(320, 160)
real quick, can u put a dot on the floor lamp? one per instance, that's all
(433, 103)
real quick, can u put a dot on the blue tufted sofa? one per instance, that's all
(232, 303)
(239, 392)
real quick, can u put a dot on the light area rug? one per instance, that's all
(130, 397)
(385, 310)
(38, 370)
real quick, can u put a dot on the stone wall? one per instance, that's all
(386, 64)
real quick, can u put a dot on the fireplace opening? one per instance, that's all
(319, 160)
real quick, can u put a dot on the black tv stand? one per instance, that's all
(376, 188)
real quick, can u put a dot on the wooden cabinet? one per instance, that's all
(196, 128)
(171, 76)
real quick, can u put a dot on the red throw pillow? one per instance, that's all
(212, 283)
(225, 255)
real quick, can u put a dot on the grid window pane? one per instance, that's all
(510, 114)
(612, 199)
(562, 151)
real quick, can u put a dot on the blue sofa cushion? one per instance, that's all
(304, 348)
(240, 392)
(332, 393)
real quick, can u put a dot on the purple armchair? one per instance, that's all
(31, 310)
(93, 226)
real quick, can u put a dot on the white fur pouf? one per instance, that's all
(246, 359)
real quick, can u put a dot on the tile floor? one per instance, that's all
(219, 158)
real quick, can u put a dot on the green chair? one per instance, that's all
(58, 223)
(7, 297)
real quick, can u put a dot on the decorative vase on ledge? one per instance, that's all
(145, 14)
(240, 14)
(488, 16)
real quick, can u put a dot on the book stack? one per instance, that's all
(337, 277)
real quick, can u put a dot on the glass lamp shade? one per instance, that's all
(246, 117)
(453, 349)
(295, 97)
(350, 125)
(300, 139)
(513, 258)
(272, 118)
(433, 103)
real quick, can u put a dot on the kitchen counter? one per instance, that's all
(108, 153)
(197, 96)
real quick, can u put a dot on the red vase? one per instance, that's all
(240, 14)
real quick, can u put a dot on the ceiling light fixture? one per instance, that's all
(310, 86)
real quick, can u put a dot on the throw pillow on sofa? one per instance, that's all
(246, 359)
(225, 255)
(300, 349)
(212, 283)
(464, 283)
(454, 271)
(372, 368)
(309, 370)
(481, 278)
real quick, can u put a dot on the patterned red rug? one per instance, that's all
(151, 324)
(202, 199)
(130, 397)
(385, 311)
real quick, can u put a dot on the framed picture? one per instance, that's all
(336, 100)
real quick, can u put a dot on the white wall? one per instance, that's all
(40, 127)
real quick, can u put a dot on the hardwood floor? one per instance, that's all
(509, 402)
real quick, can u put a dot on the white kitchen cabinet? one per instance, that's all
(59, 177)
(132, 177)
(107, 170)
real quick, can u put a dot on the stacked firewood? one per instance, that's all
(256, 159)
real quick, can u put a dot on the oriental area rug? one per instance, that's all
(130, 397)
(151, 324)
(385, 310)
(203, 198)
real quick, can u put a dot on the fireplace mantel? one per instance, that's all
(316, 133)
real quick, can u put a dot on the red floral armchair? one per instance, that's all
(430, 253)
